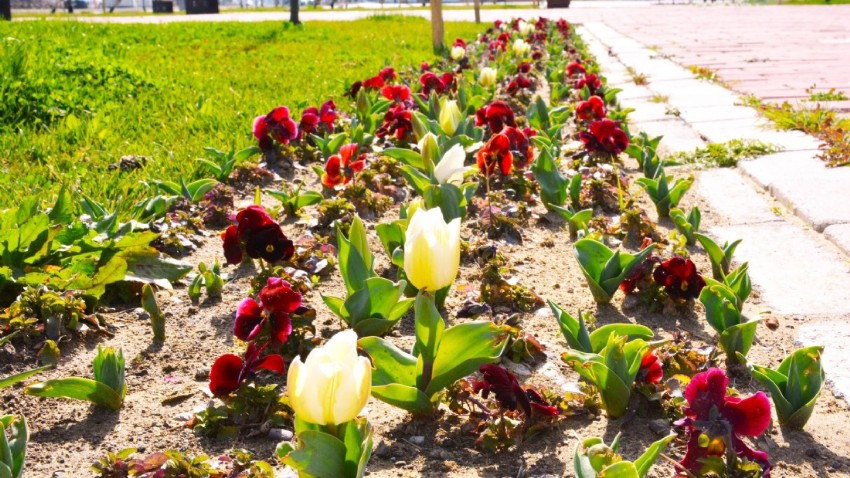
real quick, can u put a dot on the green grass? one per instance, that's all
(725, 155)
(75, 97)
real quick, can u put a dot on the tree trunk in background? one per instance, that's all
(293, 12)
(477, 11)
(6, 9)
(437, 23)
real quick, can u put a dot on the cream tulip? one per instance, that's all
(458, 52)
(429, 148)
(521, 47)
(450, 117)
(487, 76)
(450, 169)
(524, 27)
(333, 385)
(431, 250)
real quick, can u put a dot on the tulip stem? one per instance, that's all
(489, 202)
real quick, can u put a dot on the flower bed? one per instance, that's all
(485, 215)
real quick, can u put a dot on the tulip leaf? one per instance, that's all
(647, 459)
(621, 469)
(463, 348)
(336, 305)
(357, 436)
(355, 259)
(319, 454)
(406, 156)
(738, 339)
(448, 198)
(795, 385)
(390, 364)
(784, 409)
(599, 337)
(721, 308)
(429, 327)
(603, 268)
(574, 330)
(553, 184)
(406, 397)
(20, 377)
(378, 303)
(78, 389)
(392, 235)
(418, 180)
(721, 257)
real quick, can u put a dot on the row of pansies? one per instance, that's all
(515, 121)
(562, 149)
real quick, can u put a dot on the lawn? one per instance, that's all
(76, 97)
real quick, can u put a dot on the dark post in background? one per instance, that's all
(6, 9)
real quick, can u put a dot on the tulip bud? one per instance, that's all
(450, 117)
(413, 206)
(430, 150)
(458, 52)
(362, 102)
(487, 76)
(524, 27)
(108, 368)
(520, 47)
(431, 250)
(450, 169)
(333, 385)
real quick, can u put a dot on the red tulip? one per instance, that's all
(496, 154)
(229, 371)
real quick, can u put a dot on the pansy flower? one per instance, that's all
(424, 66)
(387, 73)
(496, 116)
(229, 371)
(590, 110)
(340, 168)
(651, 369)
(397, 93)
(280, 126)
(506, 389)
(591, 81)
(521, 148)
(397, 122)
(257, 235)
(496, 154)
(374, 83)
(519, 82)
(459, 42)
(438, 84)
(712, 412)
(575, 68)
(680, 278)
(605, 136)
(277, 301)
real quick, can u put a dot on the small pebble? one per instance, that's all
(141, 314)
(418, 440)
(400, 463)
(280, 434)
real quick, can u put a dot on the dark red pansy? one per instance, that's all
(309, 121)
(590, 81)
(496, 116)
(605, 136)
(232, 245)
(387, 73)
(562, 25)
(425, 66)
(519, 82)
(496, 154)
(397, 122)
(260, 130)
(328, 114)
(520, 147)
(679, 278)
(539, 405)
(280, 126)
(249, 320)
(269, 243)
(397, 93)
(374, 83)
(651, 369)
(592, 109)
(278, 296)
(354, 89)
(229, 371)
(438, 84)
(252, 218)
(524, 67)
(497, 24)
(641, 274)
(575, 68)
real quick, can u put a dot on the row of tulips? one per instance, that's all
(486, 103)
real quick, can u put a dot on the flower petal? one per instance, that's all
(224, 374)
(749, 416)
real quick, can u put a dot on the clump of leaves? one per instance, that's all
(246, 410)
(636, 227)
(174, 464)
(40, 310)
(13, 447)
(209, 278)
(106, 390)
(368, 203)
(293, 200)
(503, 292)
(335, 212)
(725, 155)
(831, 95)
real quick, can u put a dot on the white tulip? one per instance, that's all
(521, 47)
(487, 76)
(431, 250)
(450, 169)
(458, 52)
(333, 385)
(524, 27)
(450, 117)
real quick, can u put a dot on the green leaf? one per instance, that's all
(20, 377)
(353, 266)
(391, 235)
(738, 339)
(599, 337)
(553, 184)
(78, 389)
(463, 348)
(604, 268)
(622, 469)
(389, 363)
(574, 330)
(357, 436)
(319, 454)
(429, 327)
(418, 180)
(647, 459)
(721, 308)
(405, 397)
(406, 156)
(448, 198)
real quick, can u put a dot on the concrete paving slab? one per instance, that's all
(797, 272)
(717, 113)
(730, 195)
(834, 335)
(678, 136)
(839, 234)
(819, 195)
